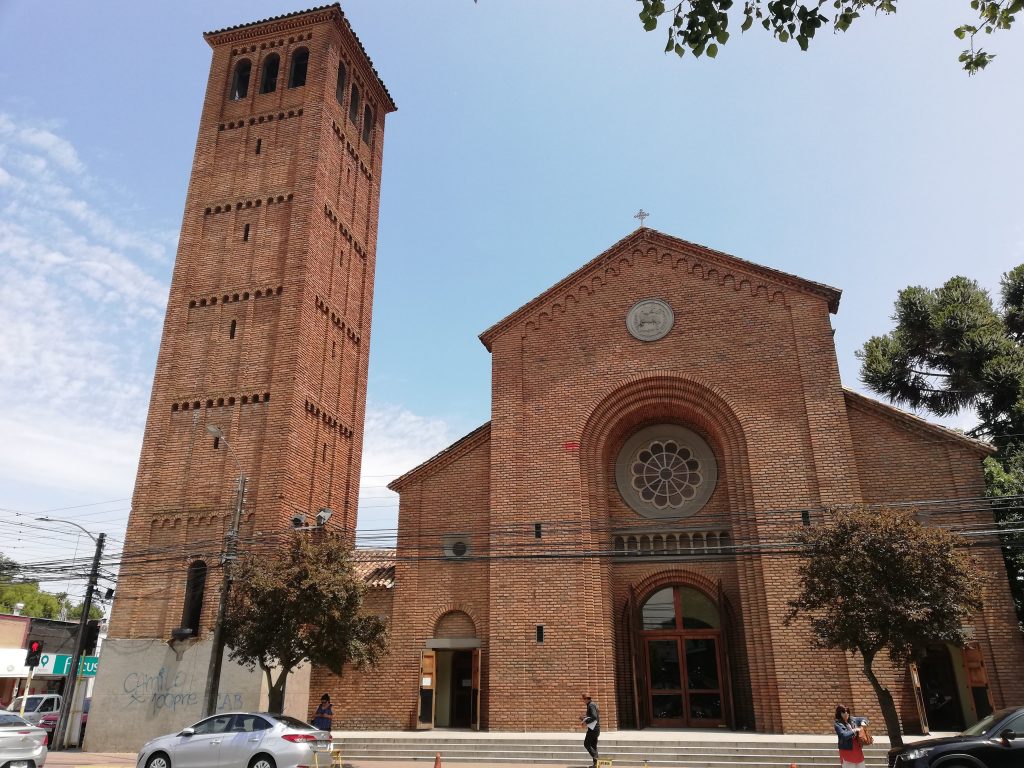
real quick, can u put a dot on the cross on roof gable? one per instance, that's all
(654, 237)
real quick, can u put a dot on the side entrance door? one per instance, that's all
(428, 684)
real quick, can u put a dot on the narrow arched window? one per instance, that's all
(240, 80)
(339, 89)
(353, 104)
(195, 585)
(300, 63)
(268, 80)
(367, 125)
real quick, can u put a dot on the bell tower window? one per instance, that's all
(268, 81)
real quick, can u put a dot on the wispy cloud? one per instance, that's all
(82, 297)
(83, 294)
(396, 440)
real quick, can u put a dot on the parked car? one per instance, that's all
(36, 705)
(22, 745)
(253, 739)
(996, 741)
(48, 722)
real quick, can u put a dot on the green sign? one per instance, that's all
(60, 664)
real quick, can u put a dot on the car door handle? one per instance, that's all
(256, 739)
(215, 742)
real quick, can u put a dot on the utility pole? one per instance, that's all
(217, 652)
(72, 675)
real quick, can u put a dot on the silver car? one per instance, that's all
(240, 740)
(22, 745)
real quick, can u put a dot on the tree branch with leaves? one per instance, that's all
(299, 604)
(701, 26)
(875, 581)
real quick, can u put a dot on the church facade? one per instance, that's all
(663, 420)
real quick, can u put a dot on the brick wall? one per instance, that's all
(750, 366)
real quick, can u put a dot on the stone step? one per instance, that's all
(549, 751)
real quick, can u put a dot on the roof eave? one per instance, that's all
(827, 292)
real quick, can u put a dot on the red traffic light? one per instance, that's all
(35, 650)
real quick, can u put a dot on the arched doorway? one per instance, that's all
(450, 675)
(681, 641)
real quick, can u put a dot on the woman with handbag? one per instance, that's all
(852, 733)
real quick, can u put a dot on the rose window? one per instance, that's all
(666, 473)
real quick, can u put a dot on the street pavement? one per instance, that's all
(74, 758)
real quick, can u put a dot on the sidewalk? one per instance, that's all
(73, 759)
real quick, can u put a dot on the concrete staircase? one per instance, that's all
(623, 748)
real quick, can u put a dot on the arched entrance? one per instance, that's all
(450, 675)
(681, 642)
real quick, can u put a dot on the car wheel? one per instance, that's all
(262, 761)
(158, 760)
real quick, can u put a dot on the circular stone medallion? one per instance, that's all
(650, 319)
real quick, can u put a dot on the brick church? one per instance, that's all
(662, 419)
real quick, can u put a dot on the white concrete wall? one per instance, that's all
(144, 690)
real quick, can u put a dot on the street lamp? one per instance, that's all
(72, 675)
(230, 547)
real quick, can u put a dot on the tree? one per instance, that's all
(700, 26)
(301, 604)
(952, 349)
(876, 579)
(8, 568)
(38, 604)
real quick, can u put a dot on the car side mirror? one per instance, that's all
(187, 732)
(1007, 734)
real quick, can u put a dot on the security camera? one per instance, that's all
(298, 519)
(323, 515)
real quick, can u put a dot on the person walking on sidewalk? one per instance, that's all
(592, 722)
(848, 728)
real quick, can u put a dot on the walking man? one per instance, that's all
(592, 722)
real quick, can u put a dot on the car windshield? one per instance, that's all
(7, 720)
(291, 722)
(31, 704)
(983, 726)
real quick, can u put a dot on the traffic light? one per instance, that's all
(34, 651)
(92, 636)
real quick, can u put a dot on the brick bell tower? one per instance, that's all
(266, 338)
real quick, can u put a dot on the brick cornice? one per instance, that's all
(707, 263)
(289, 22)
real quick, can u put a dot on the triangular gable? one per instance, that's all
(915, 423)
(746, 269)
(460, 447)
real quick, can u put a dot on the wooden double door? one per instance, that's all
(684, 680)
(683, 660)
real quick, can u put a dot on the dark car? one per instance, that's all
(996, 741)
(48, 722)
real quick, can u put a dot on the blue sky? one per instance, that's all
(528, 133)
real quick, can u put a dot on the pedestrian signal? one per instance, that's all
(34, 651)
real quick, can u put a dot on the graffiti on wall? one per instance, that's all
(172, 691)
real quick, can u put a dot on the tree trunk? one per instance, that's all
(276, 692)
(886, 703)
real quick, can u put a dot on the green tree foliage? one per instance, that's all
(38, 604)
(952, 349)
(298, 604)
(8, 568)
(874, 580)
(700, 26)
